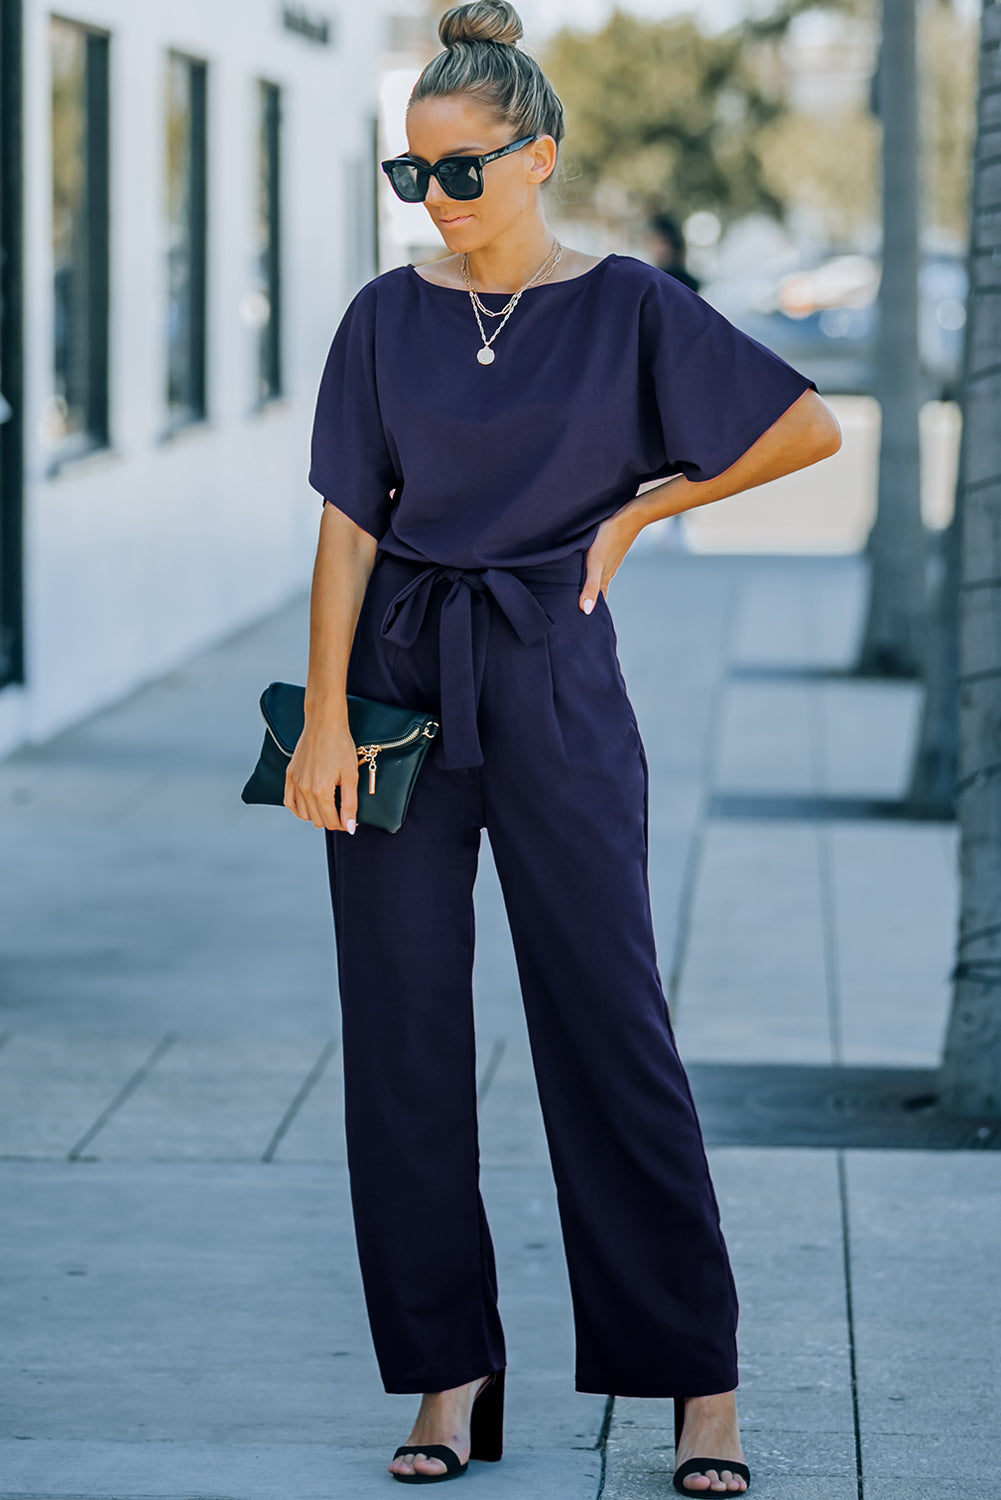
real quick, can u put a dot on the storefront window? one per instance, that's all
(79, 416)
(186, 238)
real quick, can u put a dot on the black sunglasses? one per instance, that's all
(458, 176)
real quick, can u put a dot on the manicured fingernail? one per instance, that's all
(351, 825)
(587, 606)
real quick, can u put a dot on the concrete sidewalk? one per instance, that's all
(181, 1302)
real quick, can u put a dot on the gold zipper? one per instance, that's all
(368, 754)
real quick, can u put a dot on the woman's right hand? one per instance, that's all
(324, 759)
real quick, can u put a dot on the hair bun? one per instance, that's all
(482, 21)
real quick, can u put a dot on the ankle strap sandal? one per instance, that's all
(700, 1465)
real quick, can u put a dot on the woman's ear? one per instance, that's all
(543, 158)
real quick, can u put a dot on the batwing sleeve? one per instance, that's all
(713, 389)
(351, 461)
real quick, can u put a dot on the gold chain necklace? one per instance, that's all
(486, 355)
(540, 275)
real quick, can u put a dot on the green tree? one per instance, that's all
(828, 164)
(947, 49)
(658, 111)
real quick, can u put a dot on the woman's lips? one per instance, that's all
(460, 219)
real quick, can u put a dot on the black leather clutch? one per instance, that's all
(391, 741)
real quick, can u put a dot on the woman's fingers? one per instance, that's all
(349, 802)
(592, 584)
(320, 764)
(325, 810)
(611, 542)
(292, 796)
(302, 803)
(318, 804)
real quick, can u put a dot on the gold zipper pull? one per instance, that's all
(367, 755)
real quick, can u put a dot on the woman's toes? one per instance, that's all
(416, 1463)
(425, 1465)
(420, 1464)
(714, 1482)
(716, 1485)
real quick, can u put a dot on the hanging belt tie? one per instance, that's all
(462, 647)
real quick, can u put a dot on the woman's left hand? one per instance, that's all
(612, 541)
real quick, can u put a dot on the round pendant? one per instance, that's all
(485, 356)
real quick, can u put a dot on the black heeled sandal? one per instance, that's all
(486, 1436)
(700, 1465)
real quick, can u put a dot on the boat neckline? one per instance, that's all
(542, 286)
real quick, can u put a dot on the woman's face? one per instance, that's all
(457, 126)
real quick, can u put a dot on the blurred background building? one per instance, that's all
(186, 205)
(190, 195)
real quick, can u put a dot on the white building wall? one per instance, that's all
(137, 556)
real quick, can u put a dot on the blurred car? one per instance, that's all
(825, 321)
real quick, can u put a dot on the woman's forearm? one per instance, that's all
(345, 556)
(803, 435)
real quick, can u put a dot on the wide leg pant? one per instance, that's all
(562, 793)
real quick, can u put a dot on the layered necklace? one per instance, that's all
(486, 355)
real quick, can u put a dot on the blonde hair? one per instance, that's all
(481, 59)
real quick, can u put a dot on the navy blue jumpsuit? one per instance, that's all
(484, 486)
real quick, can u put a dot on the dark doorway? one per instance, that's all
(11, 323)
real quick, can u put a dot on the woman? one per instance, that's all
(479, 455)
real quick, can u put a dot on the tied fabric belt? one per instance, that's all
(462, 632)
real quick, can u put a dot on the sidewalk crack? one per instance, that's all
(602, 1443)
(490, 1069)
(306, 1088)
(850, 1319)
(141, 1073)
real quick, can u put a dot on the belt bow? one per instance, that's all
(463, 648)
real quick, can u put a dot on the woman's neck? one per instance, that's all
(502, 267)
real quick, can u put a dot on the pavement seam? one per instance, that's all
(129, 1087)
(493, 1062)
(602, 1443)
(850, 1319)
(686, 901)
(829, 930)
(305, 1089)
(820, 767)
